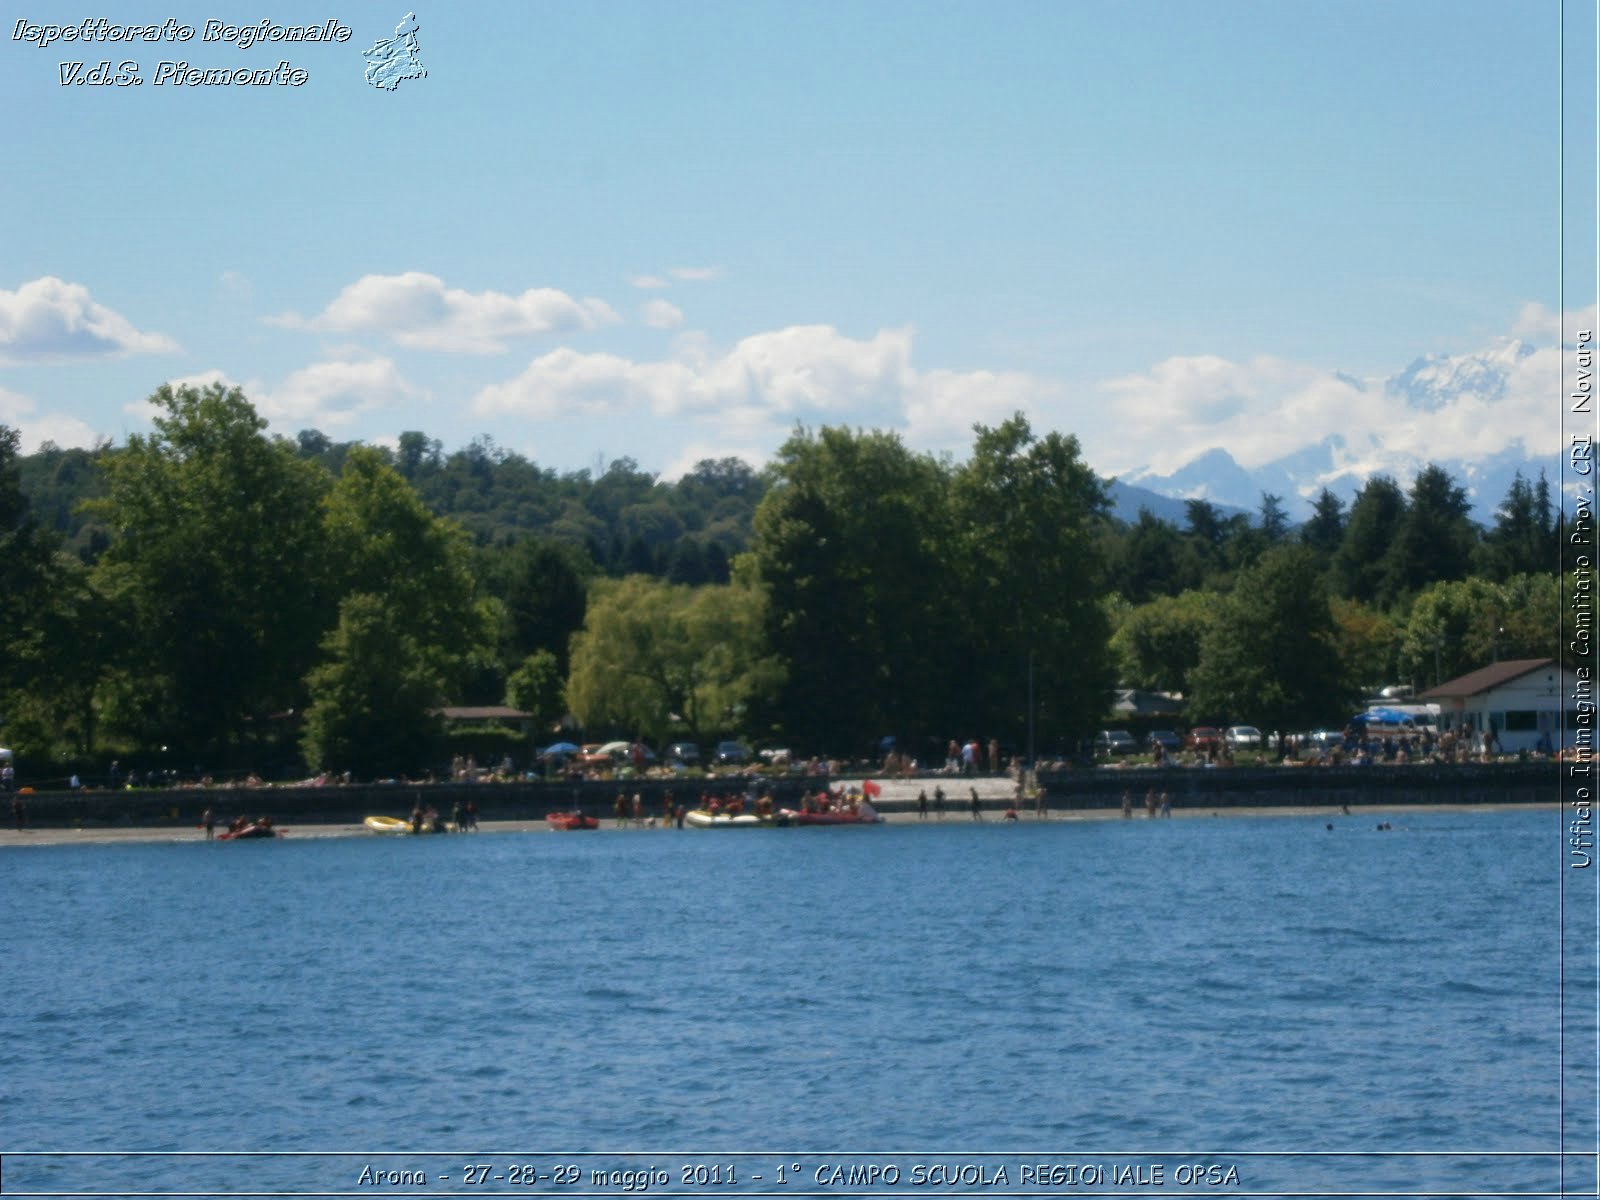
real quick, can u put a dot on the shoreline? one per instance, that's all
(957, 815)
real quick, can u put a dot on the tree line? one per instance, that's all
(240, 599)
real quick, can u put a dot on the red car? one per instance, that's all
(1203, 737)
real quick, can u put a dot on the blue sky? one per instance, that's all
(672, 231)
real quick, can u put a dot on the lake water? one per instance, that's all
(1353, 1009)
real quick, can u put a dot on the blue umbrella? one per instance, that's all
(560, 748)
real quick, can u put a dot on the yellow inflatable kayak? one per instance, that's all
(387, 825)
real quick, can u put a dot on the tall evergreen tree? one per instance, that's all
(1149, 557)
(1523, 539)
(1360, 564)
(1324, 531)
(1436, 538)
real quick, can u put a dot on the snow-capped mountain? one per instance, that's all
(1476, 415)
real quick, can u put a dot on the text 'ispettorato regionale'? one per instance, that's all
(100, 33)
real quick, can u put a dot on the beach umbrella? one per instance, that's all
(560, 748)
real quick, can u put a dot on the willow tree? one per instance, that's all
(656, 658)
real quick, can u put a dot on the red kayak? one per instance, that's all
(571, 820)
(256, 829)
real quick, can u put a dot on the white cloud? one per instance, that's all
(35, 428)
(662, 314)
(50, 320)
(648, 282)
(755, 391)
(698, 274)
(322, 396)
(1536, 323)
(800, 371)
(330, 394)
(1463, 407)
(417, 310)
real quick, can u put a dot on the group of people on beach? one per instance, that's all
(1155, 804)
(463, 817)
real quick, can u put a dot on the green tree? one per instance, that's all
(543, 584)
(1273, 520)
(1158, 643)
(1360, 565)
(655, 657)
(1456, 626)
(1029, 513)
(382, 541)
(1324, 530)
(1523, 540)
(1368, 641)
(1149, 562)
(1270, 657)
(1436, 538)
(218, 548)
(536, 687)
(371, 697)
(853, 549)
(411, 623)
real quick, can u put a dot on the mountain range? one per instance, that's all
(1486, 392)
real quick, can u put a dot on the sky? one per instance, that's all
(671, 232)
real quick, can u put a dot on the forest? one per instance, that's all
(215, 597)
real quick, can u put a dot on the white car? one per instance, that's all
(1243, 737)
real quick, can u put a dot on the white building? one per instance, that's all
(1530, 703)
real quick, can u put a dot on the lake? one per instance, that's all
(1350, 1009)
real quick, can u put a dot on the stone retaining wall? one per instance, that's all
(1238, 787)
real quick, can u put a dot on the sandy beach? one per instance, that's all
(898, 800)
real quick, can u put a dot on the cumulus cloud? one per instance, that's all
(36, 428)
(801, 371)
(325, 395)
(698, 274)
(50, 320)
(1536, 323)
(417, 310)
(760, 387)
(662, 314)
(331, 394)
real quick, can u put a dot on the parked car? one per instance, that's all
(686, 753)
(1243, 737)
(1114, 742)
(732, 754)
(1203, 737)
(1167, 739)
(1324, 737)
